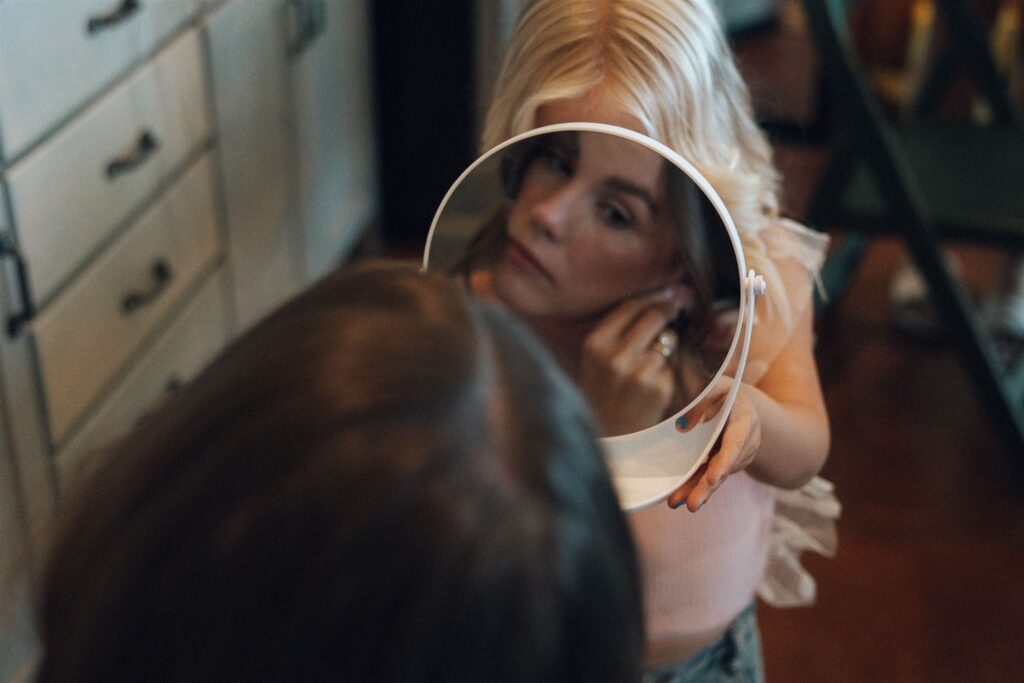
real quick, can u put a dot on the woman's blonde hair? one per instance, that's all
(665, 62)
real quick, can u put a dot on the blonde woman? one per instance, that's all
(663, 68)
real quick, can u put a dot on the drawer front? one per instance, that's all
(193, 339)
(70, 194)
(53, 62)
(88, 332)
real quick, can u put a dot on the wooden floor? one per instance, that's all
(928, 583)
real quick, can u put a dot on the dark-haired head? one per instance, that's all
(383, 481)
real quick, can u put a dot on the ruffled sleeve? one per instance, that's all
(804, 520)
(789, 256)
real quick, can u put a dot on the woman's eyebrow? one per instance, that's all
(567, 143)
(627, 187)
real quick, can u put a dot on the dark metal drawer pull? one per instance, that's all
(308, 19)
(18, 320)
(162, 276)
(112, 18)
(146, 145)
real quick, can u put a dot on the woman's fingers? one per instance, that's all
(737, 449)
(615, 322)
(739, 442)
(684, 493)
(696, 491)
(623, 373)
(648, 328)
(655, 377)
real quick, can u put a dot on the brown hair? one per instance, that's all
(384, 480)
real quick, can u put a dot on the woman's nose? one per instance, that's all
(551, 215)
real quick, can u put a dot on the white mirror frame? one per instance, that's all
(646, 466)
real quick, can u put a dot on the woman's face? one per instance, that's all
(588, 228)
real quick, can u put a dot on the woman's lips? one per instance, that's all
(524, 258)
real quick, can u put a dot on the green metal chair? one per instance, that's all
(931, 183)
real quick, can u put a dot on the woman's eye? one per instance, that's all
(555, 161)
(616, 217)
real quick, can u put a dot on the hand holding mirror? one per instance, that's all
(623, 259)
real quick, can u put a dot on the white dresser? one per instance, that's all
(170, 171)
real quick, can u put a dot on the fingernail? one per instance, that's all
(682, 423)
(677, 505)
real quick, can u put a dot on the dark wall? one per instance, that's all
(423, 54)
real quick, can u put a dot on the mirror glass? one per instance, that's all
(623, 260)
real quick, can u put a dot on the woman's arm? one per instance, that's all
(778, 431)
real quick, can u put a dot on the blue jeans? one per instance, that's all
(734, 658)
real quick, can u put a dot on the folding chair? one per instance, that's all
(930, 183)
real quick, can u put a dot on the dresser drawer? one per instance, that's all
(86, 335)
(193, 339)
(53, 62)
(70, 194)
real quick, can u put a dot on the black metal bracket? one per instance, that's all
(144, 147)
(17, 321)
(161, 274)
(112, 18)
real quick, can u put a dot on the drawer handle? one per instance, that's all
(17, 320)
(162, 276)
(112, 18)
(146, 145)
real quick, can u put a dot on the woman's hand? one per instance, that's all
(737, 447)
(778, 432)
(627, 381)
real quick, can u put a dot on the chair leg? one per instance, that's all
(972, 341)
(843, 260)
(839, 270)
(834, 179)
(929, 99)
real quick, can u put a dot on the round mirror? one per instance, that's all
(623, 260)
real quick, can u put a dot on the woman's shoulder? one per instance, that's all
(789, 256)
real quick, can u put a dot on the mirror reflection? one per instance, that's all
(614, 257)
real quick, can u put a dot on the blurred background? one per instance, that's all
(170, 171)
